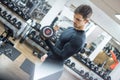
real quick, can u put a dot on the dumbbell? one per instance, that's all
(32, 34)
(25, 16)
(53, 39)
(87, 60)
(96, 68)
(81, 73)
(90, 78)
(5, 2)
(20, 12)
(86, 75)
(72, 65)
(108, 78)
(15, 8)
(11, 5)
(37, 39)
(18, 24)
(47, 32)
(101, 73)
(13, 21)
(37, 26)
(4, 13)
(67, 62)
(92, 65)
(8, 17)
(46, 48)
(104, 75)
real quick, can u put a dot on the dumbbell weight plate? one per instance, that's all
(47, 32)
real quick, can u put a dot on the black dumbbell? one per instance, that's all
(67, 62)
(37, 26)
(72, 65)
(13, 21)
(53, 39)
(5, 2)
(18, 24)
(37, 39)
(86, 75)
(15, 8)
(25, 16)
(81, 73)
(11, 5)
(20, 12)
(90, 78)
(46, 48)
(8, 17)
(42, 43)
(32, 34)
(87, 60)
(92, 65)
(108, 78)
(4, 13)
(104, 75)
(96, 69)
(101, 73)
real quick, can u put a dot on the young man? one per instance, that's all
(70, 42)
(73, 39)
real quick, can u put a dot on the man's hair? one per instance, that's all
(84, 10)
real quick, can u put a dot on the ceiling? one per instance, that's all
(110, 7)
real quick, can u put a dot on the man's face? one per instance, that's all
(79, 21)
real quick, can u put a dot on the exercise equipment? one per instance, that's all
(81, 72)
(86, 76)
(90, 78)
(67, 62)
(72, 65)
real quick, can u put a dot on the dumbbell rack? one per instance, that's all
(79, 70)
(82, 61)
(17, 29)
(38, 44)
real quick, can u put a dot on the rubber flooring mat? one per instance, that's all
(28, 67)
(10, 51)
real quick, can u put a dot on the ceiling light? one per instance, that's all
(117, 16)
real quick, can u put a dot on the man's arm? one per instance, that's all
(68, 50)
